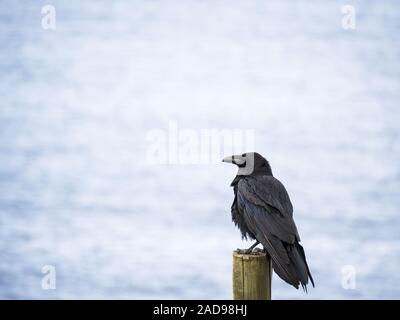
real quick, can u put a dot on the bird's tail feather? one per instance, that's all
(296, 272)
(299, 264)
(303, 255)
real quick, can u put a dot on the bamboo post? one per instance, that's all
(252, 275)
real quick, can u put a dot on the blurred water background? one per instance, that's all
(77, 102)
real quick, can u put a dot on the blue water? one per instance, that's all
(77, 102)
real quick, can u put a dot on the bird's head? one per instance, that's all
(249, 163)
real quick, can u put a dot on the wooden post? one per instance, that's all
(252, 275)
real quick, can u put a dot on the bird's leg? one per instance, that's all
(252, 247)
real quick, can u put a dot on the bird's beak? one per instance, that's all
(236, 159)
(228, 159)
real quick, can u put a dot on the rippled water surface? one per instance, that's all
(77, 102)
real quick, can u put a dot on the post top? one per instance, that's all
(256, 253)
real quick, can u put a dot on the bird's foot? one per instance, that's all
(249, 250)
(243, 251)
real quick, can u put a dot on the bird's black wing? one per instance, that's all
(268, 213)
(269, 194)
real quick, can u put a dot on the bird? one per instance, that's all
(262, 211)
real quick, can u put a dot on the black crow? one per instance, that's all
(263, 212)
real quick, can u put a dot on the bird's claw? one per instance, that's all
(244, 251)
